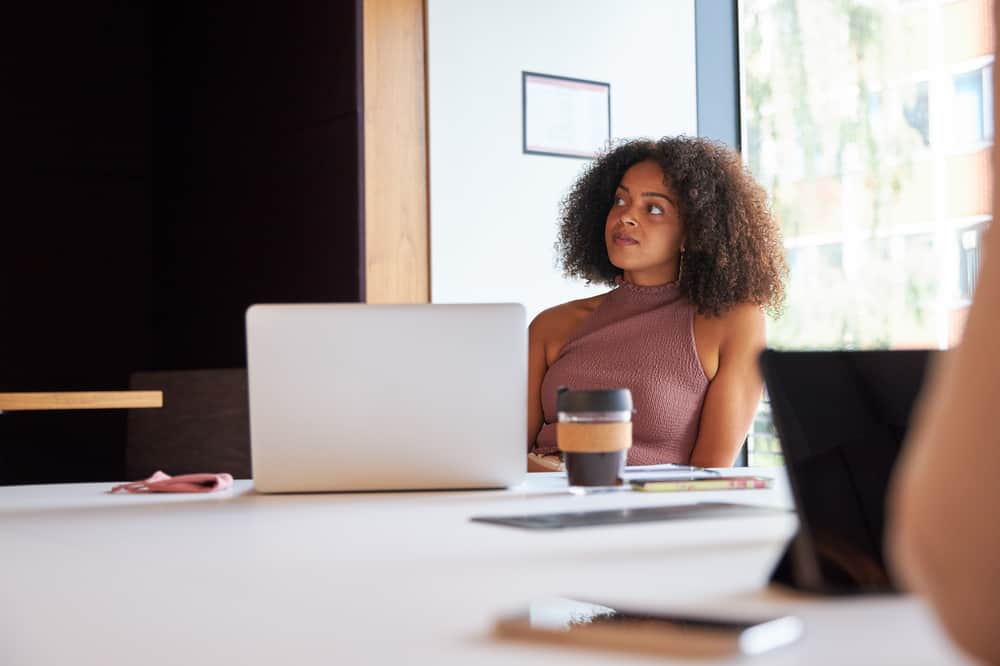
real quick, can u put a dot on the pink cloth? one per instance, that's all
(185, 483)
(642, 339)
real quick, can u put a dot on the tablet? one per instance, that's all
(645, 514)
(842, 418)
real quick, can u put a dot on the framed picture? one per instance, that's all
(563, 116)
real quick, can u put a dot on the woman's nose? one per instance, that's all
(628, 220)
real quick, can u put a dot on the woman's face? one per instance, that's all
(644, 232)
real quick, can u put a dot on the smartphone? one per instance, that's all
(596, 625)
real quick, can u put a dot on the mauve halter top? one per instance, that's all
(642, 339)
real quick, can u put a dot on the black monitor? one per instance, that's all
(841, 417)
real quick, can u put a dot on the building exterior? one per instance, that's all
(870, 123)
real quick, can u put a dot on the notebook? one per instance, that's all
(354, 397)
(842, 418)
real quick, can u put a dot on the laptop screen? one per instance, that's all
(842, 418)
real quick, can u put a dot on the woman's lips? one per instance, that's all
(624, 239)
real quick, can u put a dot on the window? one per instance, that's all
(969, 242)
(869, 123)
(972, 106)
(916, 110)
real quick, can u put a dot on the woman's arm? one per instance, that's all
(537, 365)
(943, 534)
(546, 335)
(734, 392)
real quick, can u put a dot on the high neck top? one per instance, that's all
(639, 338)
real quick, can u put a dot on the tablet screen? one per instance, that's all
(842, 418)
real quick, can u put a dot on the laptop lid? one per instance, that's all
(387, 397)
(841, 417)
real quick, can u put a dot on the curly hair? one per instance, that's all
(733, 251)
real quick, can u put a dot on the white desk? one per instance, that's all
(401, 578)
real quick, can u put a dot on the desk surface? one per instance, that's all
(242, 578)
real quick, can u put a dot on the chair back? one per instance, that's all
(204, 425)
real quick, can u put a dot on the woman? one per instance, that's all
(687, 236)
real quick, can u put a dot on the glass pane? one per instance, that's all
(869, 123)
(967, 109)
(916, 110)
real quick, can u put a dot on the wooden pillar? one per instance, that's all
(397, 253)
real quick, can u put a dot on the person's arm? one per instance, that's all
(944, 539)
(537, 366)
(734, 392)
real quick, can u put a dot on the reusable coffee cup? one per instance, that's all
(594, 432)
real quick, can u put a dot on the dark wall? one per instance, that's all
(164, 170)
(75, 254)
(257, 116)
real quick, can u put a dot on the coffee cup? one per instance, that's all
(594, 433)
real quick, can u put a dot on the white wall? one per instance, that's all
(494, 210)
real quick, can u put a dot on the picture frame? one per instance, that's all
(564, 116)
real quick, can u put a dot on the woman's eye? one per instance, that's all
(655, 210)
(619, 201)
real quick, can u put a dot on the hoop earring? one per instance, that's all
(680, 266)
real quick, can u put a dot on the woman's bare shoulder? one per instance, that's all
(559, 321)
(572, 310)
(743, 316)
(739, 327)
(738, 319)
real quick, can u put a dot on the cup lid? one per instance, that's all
(597, 400)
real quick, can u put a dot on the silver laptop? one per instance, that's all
(387, 397)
